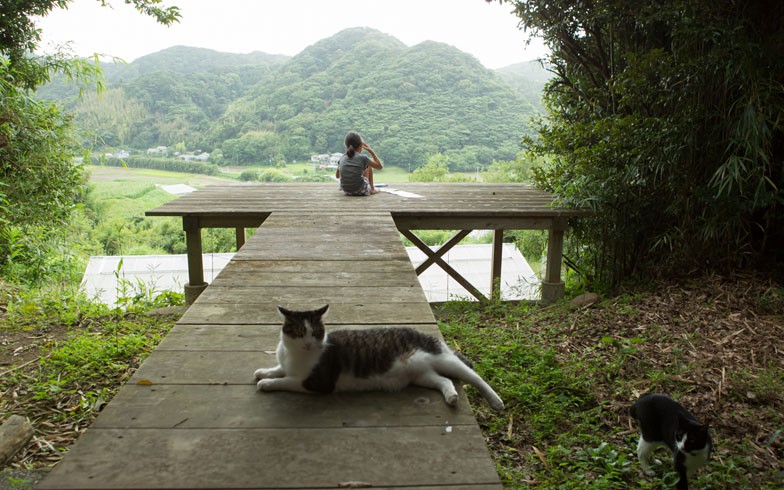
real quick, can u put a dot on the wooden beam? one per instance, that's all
(432, 256)
(440, 262)
(425, 221)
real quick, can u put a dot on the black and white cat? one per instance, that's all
(388, 359)
(665, 423)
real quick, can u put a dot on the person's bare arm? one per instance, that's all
(375, 162)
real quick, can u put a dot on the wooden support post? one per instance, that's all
(497, 257)
(196, 282)
(553, 286)
(240, 231)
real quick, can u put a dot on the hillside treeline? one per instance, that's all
(410, 102)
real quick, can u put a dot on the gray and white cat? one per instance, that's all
(666, 423)
(313, 361)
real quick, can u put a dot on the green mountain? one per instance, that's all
(528, 79)
(408, 102)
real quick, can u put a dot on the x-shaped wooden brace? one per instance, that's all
(434, 257)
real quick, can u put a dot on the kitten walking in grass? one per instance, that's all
(665, 423)
(388, 359)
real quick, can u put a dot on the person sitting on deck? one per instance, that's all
(355, 170)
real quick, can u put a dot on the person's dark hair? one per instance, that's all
(353, 140)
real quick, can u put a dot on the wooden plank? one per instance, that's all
(281, 252)
(275, 458)
(248, 337)
(324, 241)
(282, 295)
(203, 367)
(322, 279)
(340, 313)
(323, 201)
(242, 407)
(243, 264)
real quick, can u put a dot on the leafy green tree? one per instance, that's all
(519, 170)
(665, 118)
(110, 115)
(249, 176)
(273, 175)
(435, 170)
(40, 183)
(19, 35)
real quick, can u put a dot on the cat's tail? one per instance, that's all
(455, 366)
(463, 358)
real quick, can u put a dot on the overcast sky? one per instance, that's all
(487, 31)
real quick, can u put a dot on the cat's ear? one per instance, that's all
(321, 311)
(284, 312)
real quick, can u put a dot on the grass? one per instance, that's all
(81, 353)
(569, 375)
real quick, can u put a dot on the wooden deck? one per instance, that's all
(190, 416)
(463, 207)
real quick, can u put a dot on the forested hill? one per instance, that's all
(408, 102)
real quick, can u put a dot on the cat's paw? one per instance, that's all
(451, 399)
(264, 385)
(647, 469)
(262, 373)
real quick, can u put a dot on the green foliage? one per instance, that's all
(665, 119)
(249, 176)
(529, 79)
(274, 175)
(519, 170)
(567, 375)
(20, 36)
(40, 183)
(168, 164)
(252, 148)
(437, 170)
(97, 352)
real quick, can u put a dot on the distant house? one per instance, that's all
(199, 157)
(120, 154)
(158, 150)
(323, 158)
(334, 159)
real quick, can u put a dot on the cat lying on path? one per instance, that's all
(388, 359)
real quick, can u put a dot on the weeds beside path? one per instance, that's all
(568, 376)
(60, 365)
